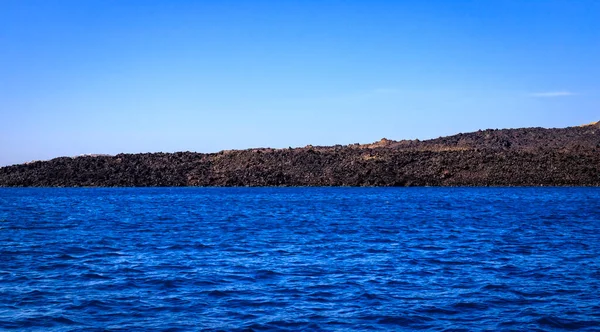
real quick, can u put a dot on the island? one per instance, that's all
(507, 157)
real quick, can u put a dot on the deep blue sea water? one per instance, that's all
(300, 259)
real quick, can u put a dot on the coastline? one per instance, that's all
(497, 158)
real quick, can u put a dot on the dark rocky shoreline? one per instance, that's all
(509, 157)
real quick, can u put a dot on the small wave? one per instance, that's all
(91, 304)
(35, 295)
(402, 321)
(496, 287)
(130, 270)
(95, 276)
(53, 267)
(398, 283)
(293, 325)
(169, 284)
(438, 311)
(64, 320)
(260, 303)
(321, 294)
(428, 248)
(376, 251)
(449, 262)
(370, 296)
(237, 250)
(199, 245)
(44, 321)
(218, 293)
(175, 247)
(203, 283)
(65, 256)
(76, 250)
(532, 294)
(266, 274)
(563, 323)
(470, 305)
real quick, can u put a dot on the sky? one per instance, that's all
(113, 76)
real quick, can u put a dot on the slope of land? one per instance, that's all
(509, 157)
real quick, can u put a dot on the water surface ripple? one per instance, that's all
(293, 259)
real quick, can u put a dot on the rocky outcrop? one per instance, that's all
(509, 157)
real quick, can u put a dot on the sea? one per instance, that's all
(299, 259)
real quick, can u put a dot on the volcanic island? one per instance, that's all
(493, 157)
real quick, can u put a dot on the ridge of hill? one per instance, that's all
(507, 157)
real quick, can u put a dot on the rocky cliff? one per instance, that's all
(509, 157)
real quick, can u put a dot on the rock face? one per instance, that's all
(509, 157)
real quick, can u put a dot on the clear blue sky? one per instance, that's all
(112, 76)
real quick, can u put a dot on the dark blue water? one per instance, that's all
(300, 258)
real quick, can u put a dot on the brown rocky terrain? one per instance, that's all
(509, 157)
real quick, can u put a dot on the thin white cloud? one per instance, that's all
(552, 94)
